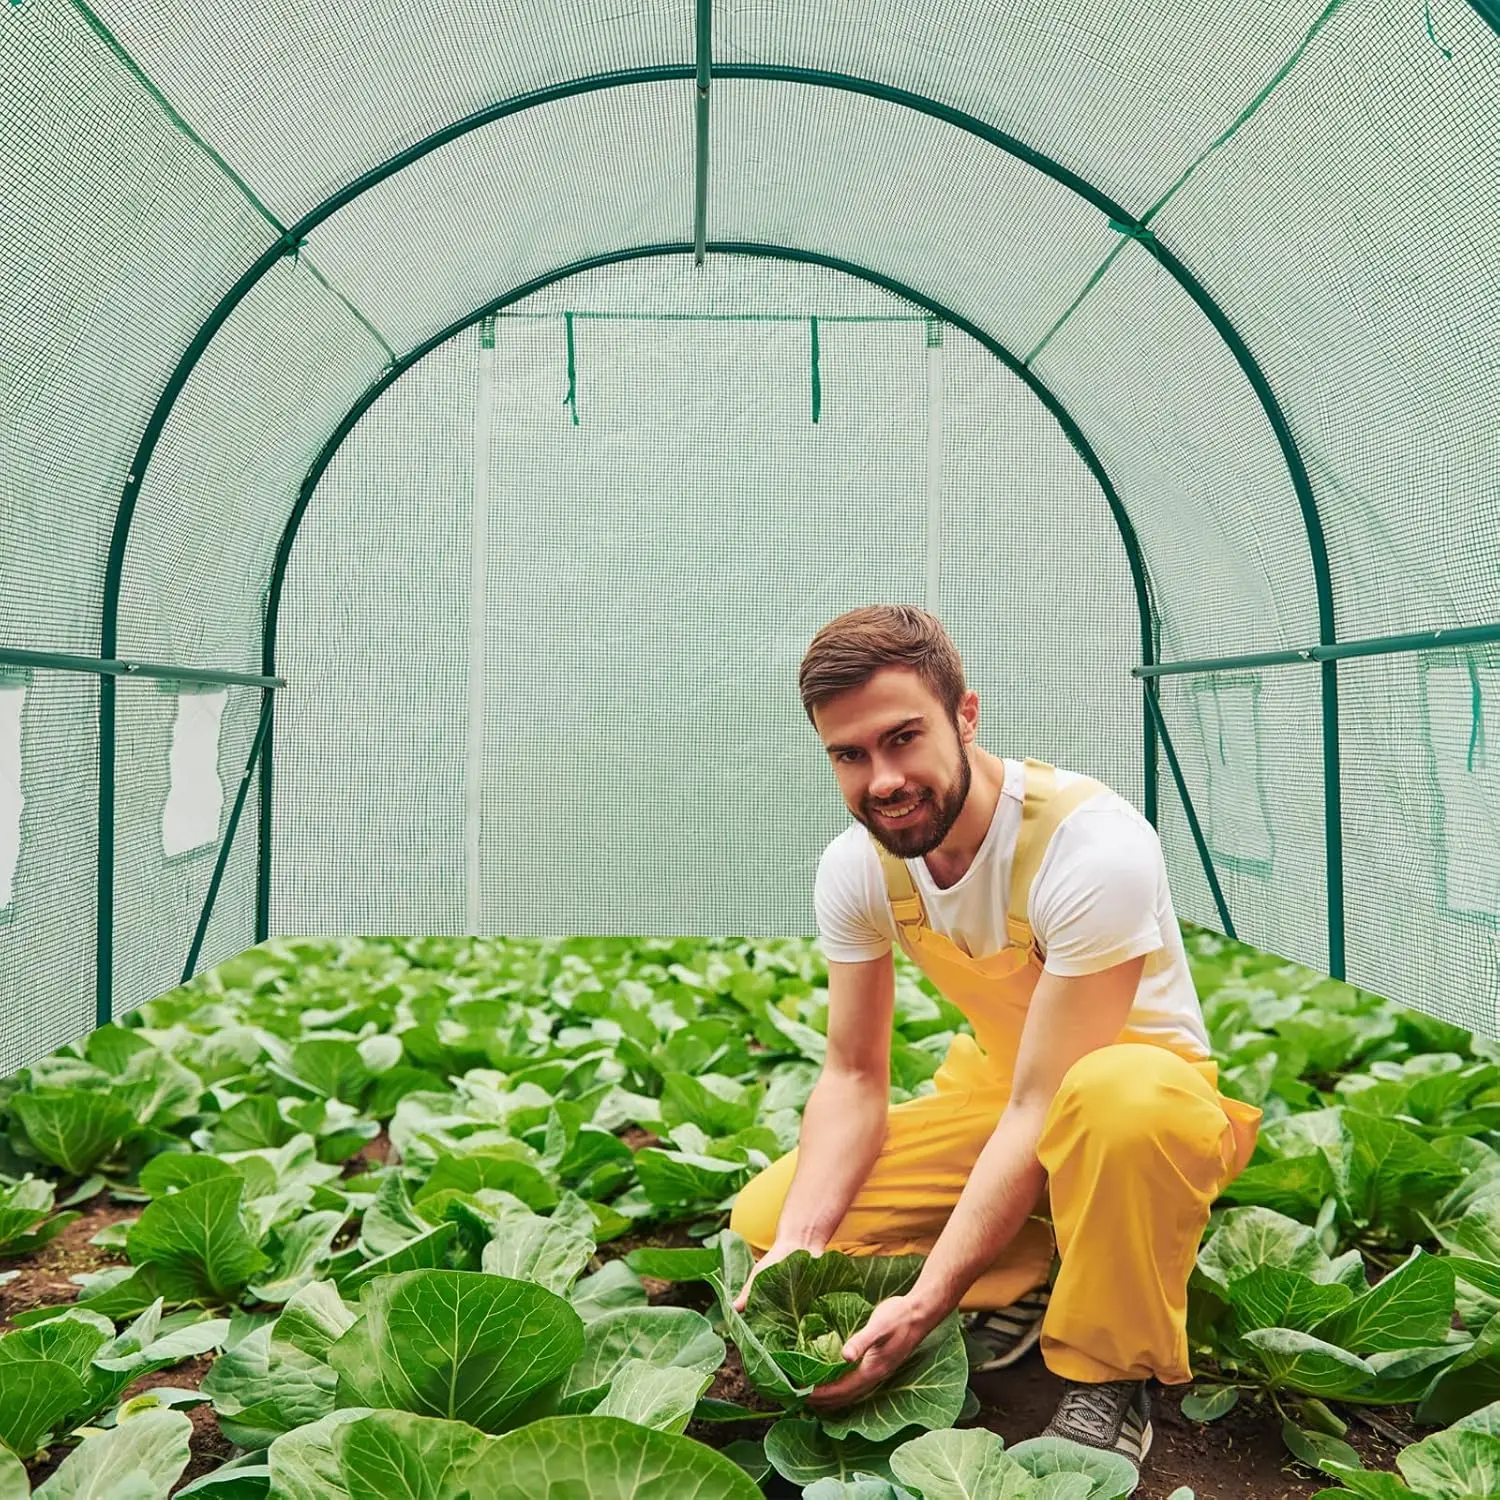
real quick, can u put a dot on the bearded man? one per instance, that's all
(1080, 1128)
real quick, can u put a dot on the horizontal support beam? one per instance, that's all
(57, 661)
(630, 317)
(1224, 663)
(1380, 645)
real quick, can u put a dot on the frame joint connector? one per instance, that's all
(1133, 231)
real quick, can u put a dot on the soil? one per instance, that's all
(210, 1448)
(636, 1137)
(43, 1279)
(43, 1282)
(374, 1153)
(730, 1384)
(1239, 1457)
(658, 1237)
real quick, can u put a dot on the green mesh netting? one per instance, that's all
(1232, 274)
(384, 850)
(921, 442)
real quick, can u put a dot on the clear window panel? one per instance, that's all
(195, 801)
(12, 699)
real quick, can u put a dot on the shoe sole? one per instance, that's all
(1005, 1361)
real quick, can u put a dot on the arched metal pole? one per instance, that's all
(1490, 10)
(291, 241)
(1126, 223)
(1033, 383)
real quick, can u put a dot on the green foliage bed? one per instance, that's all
(385, 1184)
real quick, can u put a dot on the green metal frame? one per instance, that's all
(291, 241)
(1032, 381)
(593, 315)
(286, 244)
(1377, 645)
(1126, 223)
(705, 47)
(1121, 220)
(256, 745)
(60, 661)
(815, 368)
(1453, 638)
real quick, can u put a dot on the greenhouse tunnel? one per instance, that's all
(433, 437)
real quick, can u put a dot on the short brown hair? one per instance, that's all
(847, 652)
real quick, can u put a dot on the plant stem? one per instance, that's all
(1380, 1425)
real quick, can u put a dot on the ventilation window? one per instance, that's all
(196, 799)
(12, 697)
(1460, 707)
(1236, 823)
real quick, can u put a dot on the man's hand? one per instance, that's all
(885, 1343)
(779, 1251)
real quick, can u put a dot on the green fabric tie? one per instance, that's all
(1476, 734)
(571, 399)
(817, 374)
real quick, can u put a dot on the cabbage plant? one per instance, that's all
(797, 1318)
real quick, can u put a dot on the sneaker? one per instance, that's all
(998, 1338)
(1115, 1415)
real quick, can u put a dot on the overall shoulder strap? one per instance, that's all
(906, 902)
(1045, 807)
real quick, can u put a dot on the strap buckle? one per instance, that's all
(907, 910)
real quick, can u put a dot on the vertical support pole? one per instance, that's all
(1192, 815)
(263, 873)
(479, 557)
(934, 465)
(1149, 757)
(1151, 650)
(1333, 816)
(705, 35)
(104, 923)
(222, 863)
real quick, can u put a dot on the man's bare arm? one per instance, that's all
(844, 1124)
(1067, 1019)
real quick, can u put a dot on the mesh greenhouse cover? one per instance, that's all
(508, 392)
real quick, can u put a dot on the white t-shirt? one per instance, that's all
(1099, 898)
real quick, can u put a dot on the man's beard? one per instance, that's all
(926, 828)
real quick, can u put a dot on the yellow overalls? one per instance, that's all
(1137, 1144)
